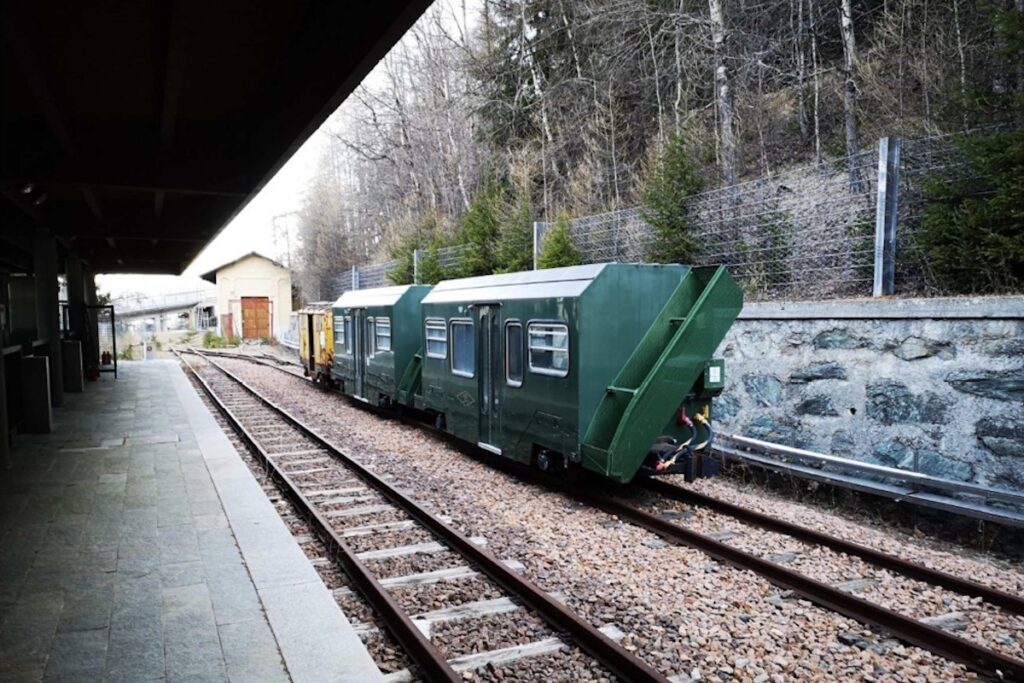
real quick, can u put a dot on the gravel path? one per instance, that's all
(684, 613)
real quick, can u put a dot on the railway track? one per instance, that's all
(979, 658)
(930, 636)
(342, 500)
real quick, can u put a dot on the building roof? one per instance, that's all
(211, 276)
(376, 296)
(531, 284)
(136, 131)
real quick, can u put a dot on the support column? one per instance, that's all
(5, 331)
(90, 342)
(887, 211)
(71, 350)
(5, 427)
(76, 297)
(44, 259)
(89, 285)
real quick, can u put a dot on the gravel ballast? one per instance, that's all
(682, 612)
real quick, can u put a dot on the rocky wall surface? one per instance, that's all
(935, 385)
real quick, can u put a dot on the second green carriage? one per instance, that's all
(376, 342)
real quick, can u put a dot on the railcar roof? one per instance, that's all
(377, 296)
(315, 307)
(571, 281)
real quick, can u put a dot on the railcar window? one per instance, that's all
(339, 331)
(549, 349)
(463, 348)
(383, 334)
(514, 354)
(437, 339)
(348, 334)
(369, 339)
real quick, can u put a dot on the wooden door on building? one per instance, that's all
(255, 317)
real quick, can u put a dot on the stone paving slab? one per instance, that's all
(130, 537)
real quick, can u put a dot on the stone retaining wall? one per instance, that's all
(931, 384)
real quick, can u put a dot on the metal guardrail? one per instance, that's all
(919, 487)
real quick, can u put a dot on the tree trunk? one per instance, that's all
(849, 88)
(677, 35)
(657, 80)
(817, 82)
(801, 66)
(963, 62)
(723, 93)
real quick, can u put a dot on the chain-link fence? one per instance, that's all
(386, 273)
(808, 232)
(802, 233)
(938, 161)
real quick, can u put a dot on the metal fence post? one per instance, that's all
(538, 237)
(355, 277)
(885, 216)
(417, 254)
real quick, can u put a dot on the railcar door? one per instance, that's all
(489, 364)
(358, 351)
(311, 353)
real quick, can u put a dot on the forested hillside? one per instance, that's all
(489, 116)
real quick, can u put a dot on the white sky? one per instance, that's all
(252, 229)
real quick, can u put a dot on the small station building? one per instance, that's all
(254, 297)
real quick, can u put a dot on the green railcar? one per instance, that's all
(588, 365)
(377, 336)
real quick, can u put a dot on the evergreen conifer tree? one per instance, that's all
(514, 248)
(558, 249)
(478, 232)
(666, 207)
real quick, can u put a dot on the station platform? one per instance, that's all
(136, 545)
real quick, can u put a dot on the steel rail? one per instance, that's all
(591, 640)
(430, 661)
(983, 660)
(1007, 601)
(262, 359)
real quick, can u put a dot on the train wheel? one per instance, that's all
(548, 461)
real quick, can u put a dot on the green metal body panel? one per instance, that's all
(542, 410)
(669, 364)
(362, 370)
(609, 311)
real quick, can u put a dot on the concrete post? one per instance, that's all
(44, 261)
(36, 400)
(90, 348)
(5, 330)
(5, 427)
(73, 370)
(417, 254)
(538, 240)
(885, 217)
(76, 297)
(89, 285)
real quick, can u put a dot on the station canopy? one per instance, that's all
(135, 131)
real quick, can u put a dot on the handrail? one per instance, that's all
(924, 480)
